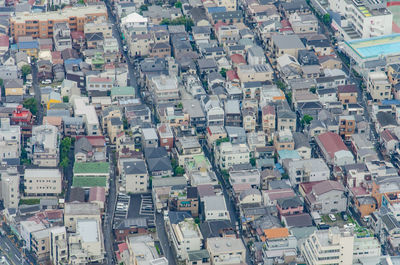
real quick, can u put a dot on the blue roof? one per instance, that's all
(390, 102)
(73, 61)
(216, 9)
(288, 154)
(28, 45)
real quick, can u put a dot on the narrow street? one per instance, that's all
(36, 87)
(164, 241)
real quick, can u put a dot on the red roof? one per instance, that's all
(238, 59)
(94, 140)
(122, 247)
(100, 79)
(285, 23)
(387, 136)
(358, 191)
(347, 89)
(332, 143)
(232, 75)
(268, 110)
(77, 35)
(307, 186)
(97, 194)
(219, 24)
(4, 41)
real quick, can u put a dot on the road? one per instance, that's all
(11, 251)
(36, 88)
(164, 241)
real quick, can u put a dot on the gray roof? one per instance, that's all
(198, 255)
(206, 63)
(390, 222)
(82, 145)
(116, 121)
(213, 228)
(299, 220)
(287, 42)
(292, 202)
(227, 15)
(256, 51)
(135, 166)
(385, 119)
(177, 217)
(201, 30)
(232, 107)
(159, 164)
(300, 140)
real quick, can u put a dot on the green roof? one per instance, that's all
(84, 182)
(92, 167)
(123, 91)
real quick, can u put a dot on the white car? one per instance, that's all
(46, 82)
(332, 217)
(349, 225)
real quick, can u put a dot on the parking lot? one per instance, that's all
(141, 205)
(122, 206)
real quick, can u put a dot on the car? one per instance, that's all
(46, 82)
(344, 216)
(323, 226)
(349, 225)
(332, 217)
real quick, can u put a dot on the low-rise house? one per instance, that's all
(158, 162)
(215, 208)
(302, 145)
(226, 250)
(14, 90)
(229, 154)
(283, 140)
(149, 137)
(244, 173)
(186, 149)
(10, 144)
(378, 86)
(286, 44)
(286, 119)
(333, 149)
(310, 170)
(326, 197)
(90, 149)
(289, 206)
(303, 23)
(184, 199)
(214, 113)
(135, 176)
(258, 72)
(164, 89)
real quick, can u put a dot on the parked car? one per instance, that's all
(323, 226)
(349, 225)
(46, 82)
(332, 217)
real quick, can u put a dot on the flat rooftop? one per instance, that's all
(375, 47)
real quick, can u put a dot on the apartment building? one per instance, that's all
(362, 19)
(75, 211)
(378, 86)
(226, 250)
(58, 245)
(268, 120)
(43, 147)
(283, 140)
(142, 250)
(87, 243)
(164, 88)
(229, 154)
(135, 176)
(10, 140)
(40, 25)
(40, 244)
(83, 109)
(10, 181)
(258, 72)
(338, 246)
(103, 27)
(347, 126)
(42, 182)
(184, 233)
(186, 149)
(309, 170)
(215, 208)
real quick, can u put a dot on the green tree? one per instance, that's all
(180, 105)
(64, 163)
(313, 89)
(1, 82)
(25, 70)
(31, 104)
(289, 98)
(221, 140)
(187, 22)
(253, 161)
(327, 19)
(179, 171)
(144, 8)
(306, 119)
(65, 146)
(281, 85)
(125, 123)
(65, 99)
(223, 72)
(178, 4)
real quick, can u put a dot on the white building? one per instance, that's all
(10, 181)
(164, 88)
(135, 176)
(58, 245)
(226, 250)
(44, 146)
(83, 109)
(215, 114)
(362, 19)
(184, 234)
(309, 170)
(338, 246)
(215, 208)
(142, 251)
(87, 244)
(232, 154)
(26, 230)
(134, 20)
(42, 182)
(10, 140)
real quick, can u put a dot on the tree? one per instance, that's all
(187, 22)
(65, 99)
(31, 104)
(313, 89)
(178, 4)
(25, 70)
(144, 8)
(306, 119)
(253, 161)
(64, 163)
(179, 171)
(125, 123)
(1, 82)
(223, 72)
(65, 146)
(289, 98)
(280, 85)
(327, 19)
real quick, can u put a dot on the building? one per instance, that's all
(347, 94)
(258, 72)
(215, 208)
(91, 174)
(164, 89)
(229, 154)
(347, 126)
(87, 111)
(378, 86)
(87, 243)
(184, 234)
(361, 19)
(283, 140)
(333, 149)
(142, 250)
(135, 176)
(10, 183)
(226, 250)
(10, 140)
(44, 146)
(314, 169)
(186, 148)
(75, 211)
(58, 245)
(326, 197)
(42, 182)
(39, 25)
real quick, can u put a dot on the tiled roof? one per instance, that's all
(276, 233)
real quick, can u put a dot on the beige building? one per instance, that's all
(102, 26)
(135, 176)
(258, 72)
(10, 181)
(379, 86)
(114, 127)
(214, 133)
(226, 250)
(43, 147)
(268, 120)
(186, 149)
(41, 244)
(87, 243)
(58, 245)
(75, 211)
(42, 182)
(164, 89)
(283, 140)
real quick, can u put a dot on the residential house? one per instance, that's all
(347, 94)
(333, 149)
(215, 208)
(158, 162)
(310, 170)
(378, 86)
(326, 197)
(44, 146)
(135, 176)
(226, 250)
(229, 154)
(286, 44)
